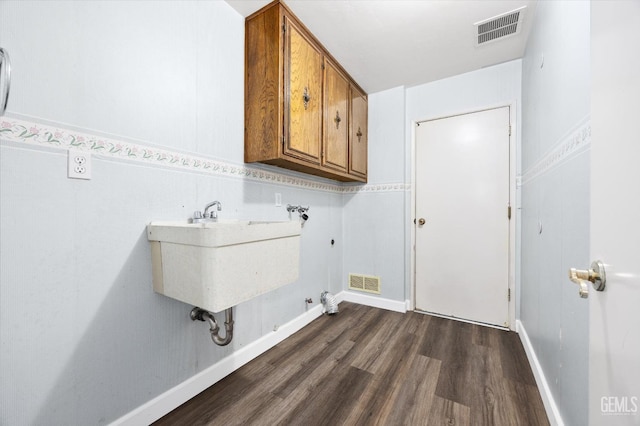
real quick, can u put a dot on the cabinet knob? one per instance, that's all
(359, 134)
(306, 97)
(337, 119)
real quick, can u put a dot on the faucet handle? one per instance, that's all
(197, 214)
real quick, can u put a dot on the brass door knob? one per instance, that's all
(596, 275)
(421, 221)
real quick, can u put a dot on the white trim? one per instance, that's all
(373, 301)
(484, 324)
(543, 387)
(412, 216)
(178, 395)
(513, 184)
(514, 222)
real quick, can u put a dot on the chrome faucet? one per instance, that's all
(207, 216)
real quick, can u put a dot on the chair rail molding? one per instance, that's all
(40, 135)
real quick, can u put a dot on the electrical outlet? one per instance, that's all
(278, 199)
(79, 165)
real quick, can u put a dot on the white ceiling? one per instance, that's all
(390, 43)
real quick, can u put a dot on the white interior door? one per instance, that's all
(462, 193)
(614, 314)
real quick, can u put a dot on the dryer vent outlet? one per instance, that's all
(329, 303)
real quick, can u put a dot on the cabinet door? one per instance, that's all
(358, 137)
(303, 96)
(336, 119)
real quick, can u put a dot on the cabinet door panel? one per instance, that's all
(303, 94)
(336, 119)
(358, 139)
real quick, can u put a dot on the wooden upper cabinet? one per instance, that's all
(336, 123)
(263, 94)
(303, 89)
(358, 129)
(299, 108)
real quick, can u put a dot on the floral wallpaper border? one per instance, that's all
(576, 141)
(38, 134)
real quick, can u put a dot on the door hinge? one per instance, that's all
(509, 212)
(509, 295)
(509, 129)
(284, 28)
(283, 141)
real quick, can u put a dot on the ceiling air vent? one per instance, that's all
(499, 27)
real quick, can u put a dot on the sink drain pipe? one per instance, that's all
(214, 328)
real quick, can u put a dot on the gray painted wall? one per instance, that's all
(378, 225)
(556, 96)
(84, 339)
(374, 222)
(74, 254)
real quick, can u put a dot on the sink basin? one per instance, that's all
(217, 265)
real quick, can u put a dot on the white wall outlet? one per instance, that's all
(278, 199)
(79, 164)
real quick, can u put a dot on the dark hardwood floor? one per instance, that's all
(368, 366)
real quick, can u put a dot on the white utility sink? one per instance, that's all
(217, 265)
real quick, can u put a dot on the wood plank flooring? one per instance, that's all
(368, 366)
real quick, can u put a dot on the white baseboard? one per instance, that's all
(373, 301)
(178, 395)
(545, 392)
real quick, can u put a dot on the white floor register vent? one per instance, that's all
(364, 283)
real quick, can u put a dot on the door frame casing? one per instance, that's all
(514, 228)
